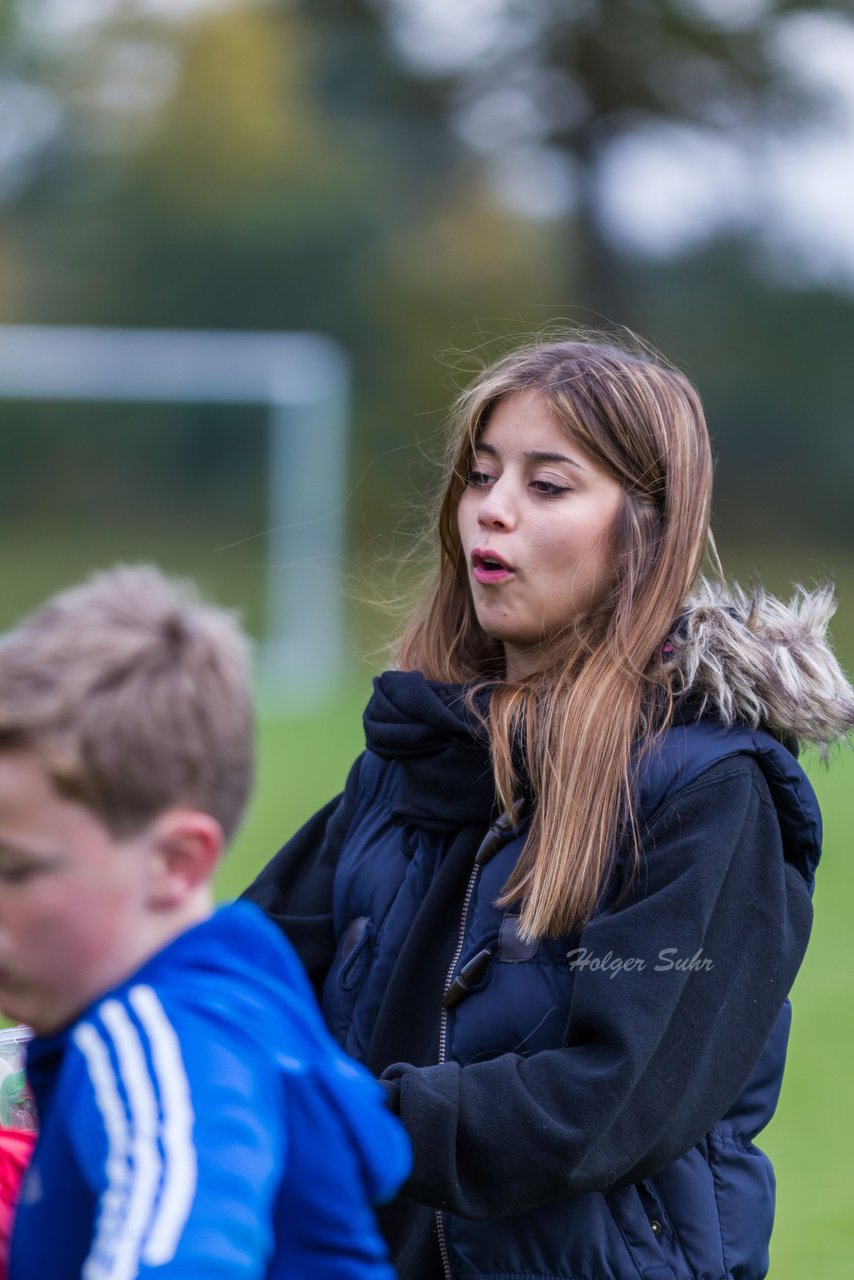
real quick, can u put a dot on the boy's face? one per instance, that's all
(72, 900)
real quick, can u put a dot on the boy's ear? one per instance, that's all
(184, 848)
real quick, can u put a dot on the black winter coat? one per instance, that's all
(584, 1108)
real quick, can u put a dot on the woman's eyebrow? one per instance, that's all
(537, 455)
(530, 455)
(15, 850)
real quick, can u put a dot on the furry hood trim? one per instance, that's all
(747, 656)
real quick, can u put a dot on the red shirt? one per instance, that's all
(16, 1147)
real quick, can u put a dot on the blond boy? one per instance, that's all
(196, 1120)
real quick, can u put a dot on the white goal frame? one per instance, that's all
(303, 379)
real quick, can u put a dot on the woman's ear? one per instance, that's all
(184, 848)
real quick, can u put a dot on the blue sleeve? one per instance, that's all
(183, 1149)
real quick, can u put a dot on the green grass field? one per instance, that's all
(811, 1138)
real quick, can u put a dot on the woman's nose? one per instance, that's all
(497, 509)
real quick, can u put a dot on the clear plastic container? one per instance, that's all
(17, 1108)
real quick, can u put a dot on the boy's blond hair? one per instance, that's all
(135, 695)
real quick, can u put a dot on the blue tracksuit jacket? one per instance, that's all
(198, 1121)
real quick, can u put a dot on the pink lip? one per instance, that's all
(488, 567)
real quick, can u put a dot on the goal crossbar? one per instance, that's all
(303, 381)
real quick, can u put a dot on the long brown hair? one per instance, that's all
(606, 686)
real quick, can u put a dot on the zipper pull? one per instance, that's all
(470, 974)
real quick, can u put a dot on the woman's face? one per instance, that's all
(534, 520)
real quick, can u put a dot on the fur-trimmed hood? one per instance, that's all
(747, 656)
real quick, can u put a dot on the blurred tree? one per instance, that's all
(271, 165)
(546, 90)
(262, 166)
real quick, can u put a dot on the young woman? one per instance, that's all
(561, 901)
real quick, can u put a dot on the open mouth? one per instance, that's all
(489, 567)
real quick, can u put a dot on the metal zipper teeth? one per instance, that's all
(443, 1032)
(443, 1246)
(449, 976)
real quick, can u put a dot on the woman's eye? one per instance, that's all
(550, 488)
(15, 875)
(478, 479)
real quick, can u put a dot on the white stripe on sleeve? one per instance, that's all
(114, 1116)
(145, 1156)
(181, 1171)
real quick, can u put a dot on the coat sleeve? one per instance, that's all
(295, 887)
(653, 1055)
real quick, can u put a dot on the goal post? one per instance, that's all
(303, 381)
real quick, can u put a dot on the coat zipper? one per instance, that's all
(498, 833)
(443, 1033)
